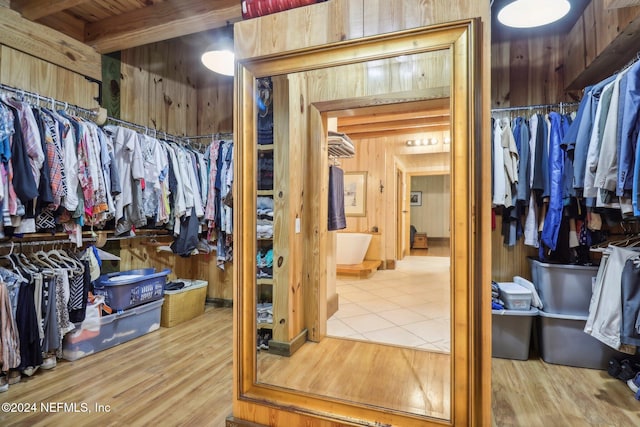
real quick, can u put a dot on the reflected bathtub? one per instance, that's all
(351, 247)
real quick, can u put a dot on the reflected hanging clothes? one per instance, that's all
(336, 218)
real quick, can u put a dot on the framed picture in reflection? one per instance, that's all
(416, 198)
(355, 193)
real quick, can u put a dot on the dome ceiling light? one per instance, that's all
(220, 57)
(533, 13)
(220, 61)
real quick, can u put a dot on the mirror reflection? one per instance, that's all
(385, 286)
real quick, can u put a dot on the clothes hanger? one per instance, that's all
(67, 260)
(40, 257)
(14, 267)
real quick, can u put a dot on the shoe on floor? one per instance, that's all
(4, 383)
(14, 377)
(634, 385)
(49, 363)
(30, 370)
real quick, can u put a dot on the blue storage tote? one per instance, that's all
(128, 289)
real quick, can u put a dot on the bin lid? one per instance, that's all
(512, 288)
(563, 316)
(530, 312)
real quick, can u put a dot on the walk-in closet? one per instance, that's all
(393, 212)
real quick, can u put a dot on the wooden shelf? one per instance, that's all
(264, 281)
(265, 325)
(361, 271)
(265, 192)
(265, 147)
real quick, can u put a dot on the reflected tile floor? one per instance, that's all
(408, 306)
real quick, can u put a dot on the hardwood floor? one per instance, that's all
(400, 378)
(170, 377)
(183, 376)
(437, 247)
(537, 394)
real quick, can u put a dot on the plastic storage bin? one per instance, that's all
(113, 329)
(514, 296)
(128, 289)
(183, 304)
(564, 342)
(511, 333)
(563, 288)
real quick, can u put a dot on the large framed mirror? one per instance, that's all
(285, 354)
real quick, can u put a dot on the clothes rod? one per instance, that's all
(536, 107)
(47, 99)
(20, 244)
(212, 135)
(158, 133)
(93, 113)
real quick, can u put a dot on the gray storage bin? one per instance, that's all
(564, 342)
(514, 296)
(563, 288)
(114, 329)
(511, 333)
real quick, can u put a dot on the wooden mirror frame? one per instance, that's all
(468, 350)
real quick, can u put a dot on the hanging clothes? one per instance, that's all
(336, 217)
(556, 164)
(9, 340)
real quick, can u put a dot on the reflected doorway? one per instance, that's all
(397, 322)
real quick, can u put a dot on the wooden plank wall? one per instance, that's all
(32, 74)
(215, 104)
(528, 71)
(136, 253)
(159, 89)
(48, 45)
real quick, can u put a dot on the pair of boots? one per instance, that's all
(626, 370)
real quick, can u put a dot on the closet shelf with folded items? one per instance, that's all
(340, 145)
(266, 150)
(71, 175)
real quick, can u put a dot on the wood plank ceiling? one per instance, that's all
(115, 25)
(111, 26)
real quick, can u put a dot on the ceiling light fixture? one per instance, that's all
(533, 13)
(219, 61)
(220, 58)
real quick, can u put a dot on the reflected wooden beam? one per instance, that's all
(381, 125)
(161, 21)
(398, 132)
(376, 117)
(391, 102)
(36, 9)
